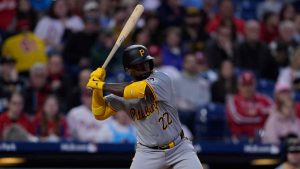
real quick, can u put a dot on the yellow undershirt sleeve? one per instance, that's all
(135, 90)
(99, 107)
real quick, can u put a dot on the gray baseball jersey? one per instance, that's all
(155, 118)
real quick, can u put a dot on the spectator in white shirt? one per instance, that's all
(82, 124)
(53, 26)
(291, 74)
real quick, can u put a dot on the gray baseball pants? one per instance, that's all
(182, 156)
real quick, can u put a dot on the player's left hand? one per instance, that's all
(99, 73)
(95, 83)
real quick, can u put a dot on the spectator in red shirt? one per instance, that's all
(269, 27)
(24, 13)
(7, 13)
(247, 110)
(226, 12)
(37, 90)
(60, 83)
(49, 124)
(15, 119)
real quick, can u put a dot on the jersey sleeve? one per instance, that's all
(161, 86)
(116, 103)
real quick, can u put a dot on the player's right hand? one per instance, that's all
(99, 73)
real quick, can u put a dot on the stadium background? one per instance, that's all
(210, 48)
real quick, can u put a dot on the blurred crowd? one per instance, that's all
(213, 52)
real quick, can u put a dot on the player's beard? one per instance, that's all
(143, 76)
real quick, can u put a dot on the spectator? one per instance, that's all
(286, 93)
(226, 83)
(287, 12)
(118, 130)
(171, 71)
(268, 6)
(254, 55)
(292, 157)
(226, 12)
(91, 9)
(101, 49)
(203, 68)
(75, 95)
(75, 7)
(49, 124)
(76, 53)
(83, 126)
(58, 80)
(152, 23)
(191, 91)
(291, 74)
(209, 7)
(58, 22)
(7, 13)
(194, 35)
(247, 110)
(118, 21)
(106, 9)
(10, 81)
(37, 89)
(220, 48)
(285, 45)
(25, 12)
(15, 119)
(25, 47)
(170, 13)
(269, 27)
(283, 121)
(172, 50)
(141, 36)
(297, 25)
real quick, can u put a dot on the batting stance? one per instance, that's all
(149, 101)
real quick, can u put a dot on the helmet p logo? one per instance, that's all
(142, 51)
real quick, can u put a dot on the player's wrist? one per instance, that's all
(95, 83)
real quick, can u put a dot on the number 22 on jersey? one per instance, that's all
(165, 120)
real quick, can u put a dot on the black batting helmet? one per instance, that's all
(136, 54)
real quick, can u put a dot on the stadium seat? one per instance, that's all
(246, 9)
(210, 123)
(266, 87)
(297, 96)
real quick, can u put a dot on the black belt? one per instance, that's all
(171, 144)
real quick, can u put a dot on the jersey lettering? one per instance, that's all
(139, 114)
(165, 120)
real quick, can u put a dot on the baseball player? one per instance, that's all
(149, 102)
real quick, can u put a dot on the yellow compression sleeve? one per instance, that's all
(135, 90)
(99, 107)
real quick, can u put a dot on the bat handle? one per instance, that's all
(110, 55)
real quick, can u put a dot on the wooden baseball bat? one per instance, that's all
(128, 27)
